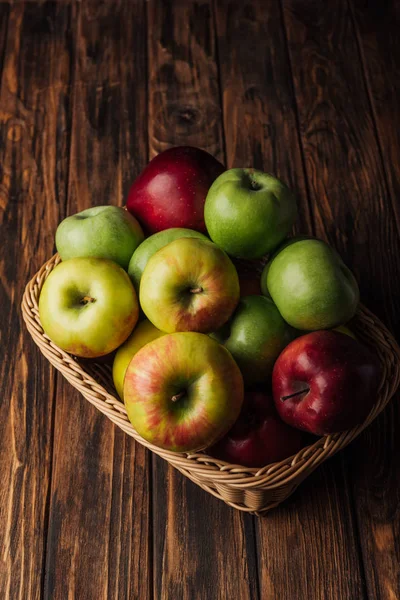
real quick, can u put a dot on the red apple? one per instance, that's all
(325, 382)
(259, 437)
(172, 189)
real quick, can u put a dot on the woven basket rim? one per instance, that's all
(199, 465)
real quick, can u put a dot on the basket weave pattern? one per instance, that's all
(247, 489)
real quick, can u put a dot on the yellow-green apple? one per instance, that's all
(171, 190)
(151, 245)
(143, 333)
(325, 382)
(88, 306)
(311, 286)
(255, 336)
(259, 437)
(248, 212)
(189, 285)
(183, 391)
(101, 232)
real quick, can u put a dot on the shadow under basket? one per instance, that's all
(251, 490)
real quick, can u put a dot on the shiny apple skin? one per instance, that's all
(341, 374)
(143, 333)
(184, 265)
(172, 189)
(88, 329)
(197, 366)
(259, 437)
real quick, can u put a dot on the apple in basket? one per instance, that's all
(102, 232)
(151, 245)
(183, 391)
(143, 333)
(255, 335)
(259, 437)
(171, 190)
(189, 285)
(325, 382)
(88, 306)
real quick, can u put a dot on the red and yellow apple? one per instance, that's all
(189, 285)
(143, 333)
(88, 306)
(183, 391)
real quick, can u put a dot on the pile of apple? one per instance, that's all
(243, 366)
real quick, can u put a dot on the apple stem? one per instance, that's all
(87, 300)
(196, 290)
(178, 396)
(283, 398)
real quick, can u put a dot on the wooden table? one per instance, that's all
(90, 90)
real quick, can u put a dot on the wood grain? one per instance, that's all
(201, 546)
(377, 25)
(34, 130)
(261, 130)
(353, 209)
(99, 543)
(375, 483)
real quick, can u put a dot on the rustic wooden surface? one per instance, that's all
(89, 91)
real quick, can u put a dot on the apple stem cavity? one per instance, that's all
(305, 391)
(196, 290)
(87, 300)
(177, 397)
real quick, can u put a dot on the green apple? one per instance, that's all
(143, 333)
(151, 245)
(248, 212)
(101, 232)
(183, 391)
(88, 306)
(189, 285)
(311, 286)
(255, 336)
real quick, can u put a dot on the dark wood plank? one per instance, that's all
(355, 212)
(202, 548)
(376, 483)
(34, 146)
(261, 126)
(99, 543)
(377, 26)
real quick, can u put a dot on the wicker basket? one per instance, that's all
(251, 490)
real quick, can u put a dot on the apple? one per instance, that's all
(325, 382)
(183, 391)
(151, 245)
(248, 212)
(143, 333)
(249, 284)
(189, 285)
(171, 190)
(88, 306)
(101, 232)
(255, 336)
(259, 437)
(311, 286)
